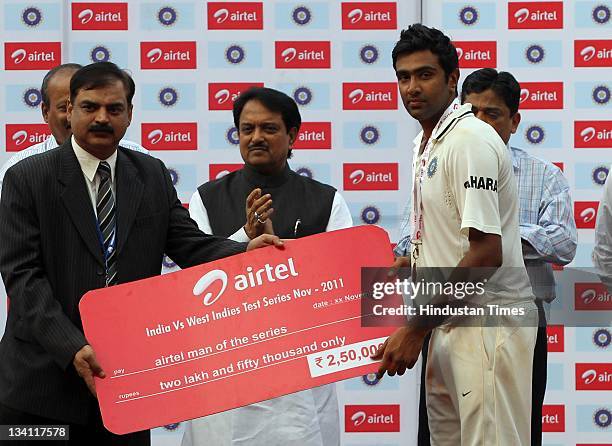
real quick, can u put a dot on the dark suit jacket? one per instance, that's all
(50, 255)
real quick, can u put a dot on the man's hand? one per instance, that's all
(258, 211)
(265, 240)
(87, 367)
(400, 351)
(399, 262)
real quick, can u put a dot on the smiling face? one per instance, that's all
(264, 139)
(99, 118)
(55, 113)
(490, 108)
(424, 87)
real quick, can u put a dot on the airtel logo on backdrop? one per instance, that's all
(221, 96)
(216, 171)
(22, 136)
(32, 55)
(553, 418)
(170, 136)
(99, 16)
(314, 135)
(296, 54)
(585, 213)
(168, 55)
(592, 296)
(594, 376)
(372, 418)
(369, 96)
(541, 95)
(369, 15)
(535, 15)
(370, 176)
(235, 15)
(593, 53)
(555, 336)
(593, 134)
(477, 54)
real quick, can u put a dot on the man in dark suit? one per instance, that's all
(86, 215)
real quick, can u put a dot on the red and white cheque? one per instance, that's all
(235, 331)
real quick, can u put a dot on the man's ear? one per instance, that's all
(516, 120)
(453, 80)
(130, 110)
(68, 110)
(293, 135)
(45, 112)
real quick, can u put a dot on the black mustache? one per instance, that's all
(101, 128)
(258, 146)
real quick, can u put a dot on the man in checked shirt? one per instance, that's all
(547, 227)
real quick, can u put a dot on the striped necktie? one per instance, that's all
(105, 206)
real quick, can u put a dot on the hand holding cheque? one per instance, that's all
(205, 336)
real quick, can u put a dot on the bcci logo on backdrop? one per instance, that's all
(168, 55)
(31, 16)
(99, 16)
(600, 174)
(594, 376)
(535, 134)
(303, 54)
(372, 418)
(541, 95)
(231, 136)
(366, 15)
(168, 96)
(235, 15)
(370, 215)
(32, 55)
(21, 136)
(370, 176)
(553, 418)
(601, 14)
(170, 136)
(602, 337)
(593, 53)
(369, 96)
(592, 296)
(477, 54)
(601, 95)
(99, 54)
(301, 15)
(221, 96)
(314, 135)
(535, 15)
(602, 418)
(592, 134)
(32, 97)
(302, 95)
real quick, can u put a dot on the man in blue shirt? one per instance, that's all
(547, 227)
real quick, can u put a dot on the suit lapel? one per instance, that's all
(77, 201)
(129, 194)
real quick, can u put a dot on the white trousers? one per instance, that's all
(478, 383)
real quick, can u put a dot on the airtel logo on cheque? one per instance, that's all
(251, 279)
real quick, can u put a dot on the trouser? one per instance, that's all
(539, 376)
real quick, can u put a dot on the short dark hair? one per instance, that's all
(419, 37)
(101, 74)
(273, 100)
(44, 88)
(502, 83)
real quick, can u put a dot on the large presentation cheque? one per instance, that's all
(235, 331)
